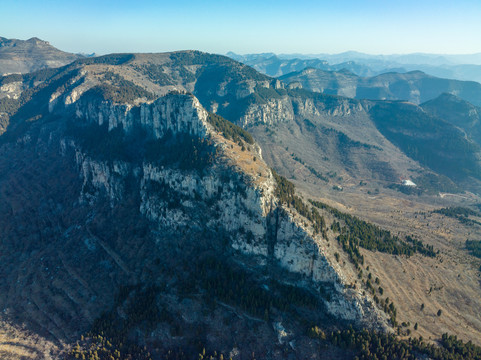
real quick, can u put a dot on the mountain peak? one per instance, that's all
(36, 40)
(449, 97)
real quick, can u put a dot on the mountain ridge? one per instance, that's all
(414, 86)
(456, 67)
(24, 56)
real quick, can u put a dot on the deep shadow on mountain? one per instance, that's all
(429, 140)
(458, 112)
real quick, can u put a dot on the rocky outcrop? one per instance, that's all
(287, 108)
(11, 90)
(270, 112)
(336, 107)
(176, 113)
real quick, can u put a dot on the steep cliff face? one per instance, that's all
(175, 113)
(270, 112)
(221, 197)
(300, 104)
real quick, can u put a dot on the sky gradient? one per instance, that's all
(281, 26)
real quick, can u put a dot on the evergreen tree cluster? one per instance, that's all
(234, 285)
(474, 247)
(285, 192)
(229, 130)
(99, 347)
(155, 73)
(110, 59)
(316, 173)
(191, 152)
(358, 233)
(460, 213)
(108, 338)
(118, 89)
(370, 345)
(124, 93)
(457, 349)
(311, 169)
(420, 248)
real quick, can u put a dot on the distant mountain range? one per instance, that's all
(23, 56)
(414, 86)
(413, 58)
(273, 65)
(460, 67)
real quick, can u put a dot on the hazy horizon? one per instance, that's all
(282, 27)
(255, 53)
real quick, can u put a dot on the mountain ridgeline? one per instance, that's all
(272, 65)
(459, 67)
(415, 86)
(24, 56)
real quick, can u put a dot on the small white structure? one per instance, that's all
(408, 183)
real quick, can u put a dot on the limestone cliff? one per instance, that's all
(228, 197)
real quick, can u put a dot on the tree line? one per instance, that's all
(285, 192)
(371, 345)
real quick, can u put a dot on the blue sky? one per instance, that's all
(303, 26)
